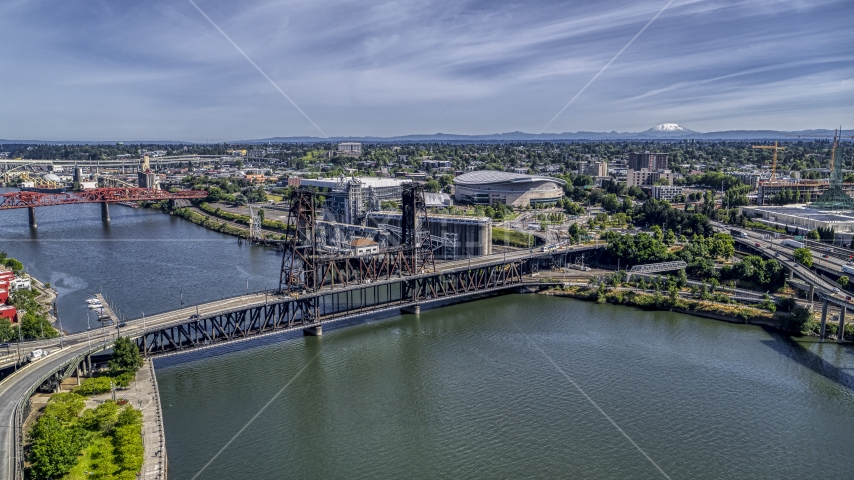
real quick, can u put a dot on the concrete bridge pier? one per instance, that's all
(105, 211)
(812, 293)
(33, 223)
(315, 331)
(414, 309)
(89, 365)
(823, 321)
(840, 334)
(791, 274)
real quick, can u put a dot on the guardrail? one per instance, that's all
(161, 474)
(22, 408)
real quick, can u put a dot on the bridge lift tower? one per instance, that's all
(305, 266)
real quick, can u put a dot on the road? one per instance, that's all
(16, 385)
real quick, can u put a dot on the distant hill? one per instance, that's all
(665, 131)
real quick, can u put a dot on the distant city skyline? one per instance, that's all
(160, 70)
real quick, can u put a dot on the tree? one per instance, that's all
(843, 281)
(126, 357)
(610, 203)
(7, 332)
(813, 235)
(55, 447)
(670, 238)
(803, 256)
(432, 186)
(261, 214)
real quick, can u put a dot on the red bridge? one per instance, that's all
(104, 196)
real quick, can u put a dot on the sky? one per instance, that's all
(160, 70)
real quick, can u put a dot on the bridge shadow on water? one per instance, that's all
(197, 354)
(798, 351)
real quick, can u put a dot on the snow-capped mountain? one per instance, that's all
(669, 129)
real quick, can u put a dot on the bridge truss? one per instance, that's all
(305, 268)
(658, 267)
(97, 195)
(315, 309)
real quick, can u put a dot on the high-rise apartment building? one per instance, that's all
(648, 161)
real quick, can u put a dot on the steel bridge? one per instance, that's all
(658, 267)
(104, 196)
(334, 303)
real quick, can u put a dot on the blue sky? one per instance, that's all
(129, 70)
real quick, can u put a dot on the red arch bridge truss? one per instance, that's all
(97, 195)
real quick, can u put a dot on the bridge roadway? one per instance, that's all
(15, 387)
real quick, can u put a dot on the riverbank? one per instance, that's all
(803, 323)
(701, 308)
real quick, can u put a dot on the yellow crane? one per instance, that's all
(837, 136)
(775, 148)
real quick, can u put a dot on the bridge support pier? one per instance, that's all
(105, 211)
(315, 331)
(89, 365)
(823, 321)
(33, 223)
(812, 293)
(791, 274)
(840, 334)
(414, 310)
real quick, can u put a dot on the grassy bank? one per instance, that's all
(800, 320)
(210, 223)
(241, 219)
(512, 238)
(738, 313)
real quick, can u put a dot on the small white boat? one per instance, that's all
(93, 301)
(95, 306)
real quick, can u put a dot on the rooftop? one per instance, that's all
(480, 177)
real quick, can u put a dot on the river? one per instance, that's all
(143, 261)
(465, 392)
(512, 386)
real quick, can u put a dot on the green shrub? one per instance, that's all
(93, 386)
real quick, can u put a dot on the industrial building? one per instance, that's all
(348, 199)
(644, 177)
(489, 187)
(647, 160)
(453, 237)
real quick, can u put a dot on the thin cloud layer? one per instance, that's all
(158, 70)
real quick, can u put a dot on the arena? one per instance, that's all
(489, 187)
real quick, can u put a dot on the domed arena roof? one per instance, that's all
(51, 177)
(482, 177)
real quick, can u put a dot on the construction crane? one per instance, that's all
(774, 165)
(837, 136)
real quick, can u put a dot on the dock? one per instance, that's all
(107, 309)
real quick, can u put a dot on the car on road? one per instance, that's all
(834, 291)
(121, 325)
(826, 256)
(194, 316)
(758, 245)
